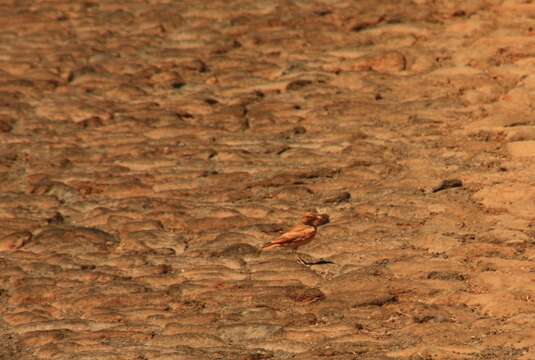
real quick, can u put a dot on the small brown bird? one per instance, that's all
(300, 234)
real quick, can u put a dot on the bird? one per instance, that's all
(300, 234)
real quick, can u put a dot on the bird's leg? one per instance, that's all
(300, 258)
(301, 261)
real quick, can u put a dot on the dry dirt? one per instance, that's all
(149, 148)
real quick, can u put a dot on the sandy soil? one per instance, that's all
(149, 148)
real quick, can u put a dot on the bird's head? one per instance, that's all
(315, 219)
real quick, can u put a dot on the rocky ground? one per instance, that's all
(149, 148)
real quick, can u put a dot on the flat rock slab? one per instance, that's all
(149, 149)
(522, 148)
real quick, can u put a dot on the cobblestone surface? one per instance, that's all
(149, 148)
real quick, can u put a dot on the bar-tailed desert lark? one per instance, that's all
(300, 234)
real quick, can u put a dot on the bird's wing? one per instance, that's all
(299, 232)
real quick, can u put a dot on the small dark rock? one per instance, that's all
(212, 154)
(320, 173)
(343, 197)
(259, 355)
(91, 122)
(87, 267)
(178, 85)
(282, 150)
(66, 164)
(74, 74)
(207, 173)
(448, 184)
(322, 12)
(210, 101)
(305, 295)
(5, 125)
(296, 131)
(298, 84)
(56, 219)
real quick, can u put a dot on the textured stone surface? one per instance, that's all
(149, 148)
